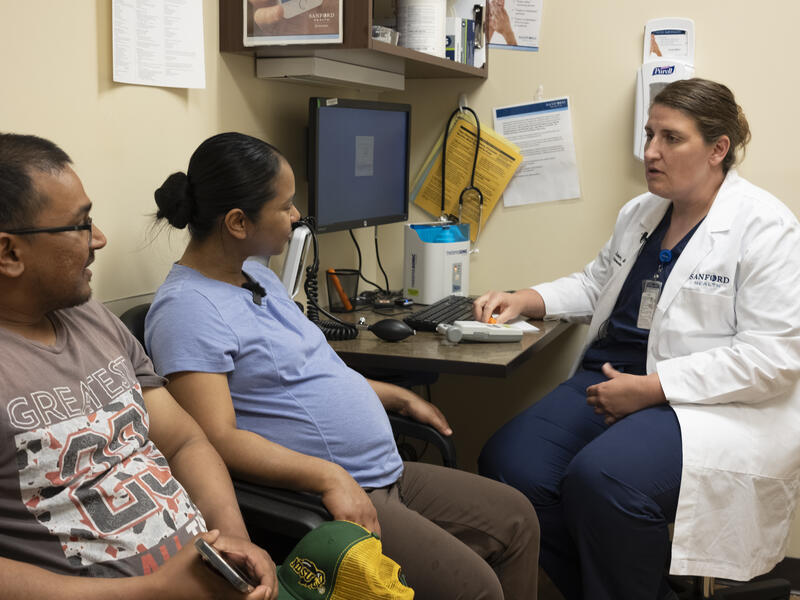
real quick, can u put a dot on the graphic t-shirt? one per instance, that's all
(83, 490)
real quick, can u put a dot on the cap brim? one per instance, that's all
(283, 593)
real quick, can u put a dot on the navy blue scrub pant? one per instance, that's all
(605, 495)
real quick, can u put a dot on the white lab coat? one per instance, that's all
(725, 341)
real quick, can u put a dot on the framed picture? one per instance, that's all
(288, 22)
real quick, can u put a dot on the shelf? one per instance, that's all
(426, 66)
(357, 47)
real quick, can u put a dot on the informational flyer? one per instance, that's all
(284, 22)
(159, 43)
(670, 44)
(543, 133)
(497, 161)
(514, 24)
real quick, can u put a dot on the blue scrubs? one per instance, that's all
(605, 495)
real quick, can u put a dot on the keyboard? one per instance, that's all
(447, 310)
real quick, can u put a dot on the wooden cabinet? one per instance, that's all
(357, 47)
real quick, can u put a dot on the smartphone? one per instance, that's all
(228, 570)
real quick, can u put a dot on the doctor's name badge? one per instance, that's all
(708, 280)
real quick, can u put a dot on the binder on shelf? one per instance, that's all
(468, 41)
(453, 38)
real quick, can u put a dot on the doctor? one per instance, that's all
(685, 405)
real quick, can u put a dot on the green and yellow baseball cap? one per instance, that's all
(340, 560)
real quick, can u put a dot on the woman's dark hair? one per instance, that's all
(713, 108)
(227, 171)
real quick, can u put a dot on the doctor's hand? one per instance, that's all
(624, 394)
(508, 305)
(347, 501)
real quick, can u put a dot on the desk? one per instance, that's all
(427, 351)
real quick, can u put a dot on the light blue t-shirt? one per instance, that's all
(287, 383)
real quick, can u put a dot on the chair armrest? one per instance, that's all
(405, 426)
(283, 511)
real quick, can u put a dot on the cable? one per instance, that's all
(336, 329)
(360, 274)
(470, 190)
(378, 257)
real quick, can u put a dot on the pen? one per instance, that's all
(338, 285)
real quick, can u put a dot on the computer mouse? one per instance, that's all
(391, 330)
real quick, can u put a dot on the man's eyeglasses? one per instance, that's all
(87, 226)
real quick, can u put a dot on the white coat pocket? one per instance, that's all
(697, 321)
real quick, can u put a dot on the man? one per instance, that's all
(97, 461)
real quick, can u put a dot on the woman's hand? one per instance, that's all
(624, 394)
(347, 501)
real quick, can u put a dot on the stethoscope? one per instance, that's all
(470, 192)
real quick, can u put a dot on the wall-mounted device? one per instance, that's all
(292, 270)
(436, 262)
(668, 56)
(358, 159)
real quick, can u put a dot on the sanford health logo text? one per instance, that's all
(709, 280)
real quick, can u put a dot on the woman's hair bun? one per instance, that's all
(174, 200)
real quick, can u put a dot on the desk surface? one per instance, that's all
(427, 351)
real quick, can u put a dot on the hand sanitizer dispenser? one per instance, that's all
(668, 56)
(436, 261)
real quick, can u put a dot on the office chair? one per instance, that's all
(768, 589)
(702, 588)
(707, 588)
(266, 510)
(405, 427)
(291, 514)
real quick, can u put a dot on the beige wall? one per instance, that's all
(125, 139)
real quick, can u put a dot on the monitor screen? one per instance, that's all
(358, 163)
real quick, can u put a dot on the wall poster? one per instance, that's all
(284, 22)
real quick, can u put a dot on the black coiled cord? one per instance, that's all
(335, 329)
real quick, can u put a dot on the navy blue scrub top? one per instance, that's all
(619, 341)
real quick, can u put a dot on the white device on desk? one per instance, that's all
(436, 261)
(668, 56)
(476, 331)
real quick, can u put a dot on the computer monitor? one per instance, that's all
(358, 155)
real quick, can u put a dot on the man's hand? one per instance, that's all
(347, 501)
(252, 560)
(185, 576)
(624, 394)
